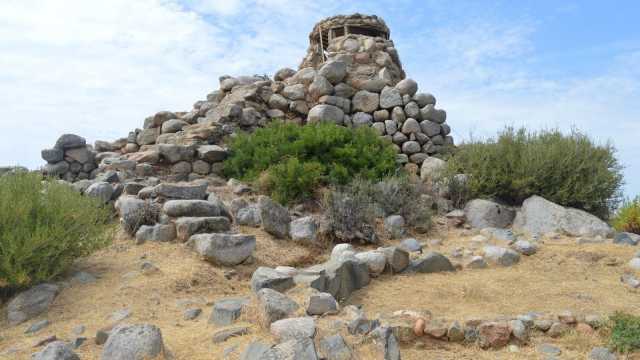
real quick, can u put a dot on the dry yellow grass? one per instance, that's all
(562, 276)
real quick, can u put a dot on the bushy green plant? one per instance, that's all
(627, 218)
(350, 212)
(337, 154)
(292, 179)
(44, 227)
(403, 195)
(625, 332)
(568, 169)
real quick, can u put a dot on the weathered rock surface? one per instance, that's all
(134, 342)
(224, 249)
(56, 350)
(226, 311)
(431, 263)
(188, 226)
(293, 328)
(190, 208)
(31, 303)
(482, 213)
(501, 256)
(275, 306)
(265, 277)
(275, 217)
(540, 216)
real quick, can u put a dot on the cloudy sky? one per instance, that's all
(98, 68)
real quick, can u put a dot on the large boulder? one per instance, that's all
(294, 349)
(501, 256)
(100, 190)
(540, 216)
(275, 217)
(157, 232)
(31, 303)
(192, 208)
(482, 213)
(342, 276)
(275, 306)
(70, 141)
(56, 350)
(365, 101)
(334, 71)
(293, 328)
(211, 153)
(135, 213)
(134, 342)
(225, 249)
(333, 347)
(432, 168)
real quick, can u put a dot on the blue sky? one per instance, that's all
(98, 68)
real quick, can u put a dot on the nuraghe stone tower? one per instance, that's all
(351, 75)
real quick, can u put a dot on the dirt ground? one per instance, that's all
(562, 276)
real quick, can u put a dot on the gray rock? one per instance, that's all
(211, 153)
(375, 259)
(135, 212)
(134, 342)
(174, 153)
(482, 213)
(284, 74)
(180, 191)
(120, 315)
(390, 97)
(343, 276)
(70, 141)
(294, 349)
(277, 101)
(501, 256)
(411, 147)
(334, 71)
(265, 277)
(82, 277)
(394, 226)
(294, 92)
(410, 126)
(476, 262)
(398, 259)
(390, 127)
(56, 350)
(191, 314)
(321, 304)
(333, 347)
(304, 229)
(37, 326)
(432, 168)
(525, 247)
(188, 226)
(225, 334)
(173, 125)
(147, 136)
(255, 351)
(361, 119)
(407, 87)
(57, 169)
(320, 87)
(249, 216)
(540, 216)
(601, 353)
(412, 110)
(625, 238)
(430, 128)
(100, 190)
(226, 311)
(31, 303)
(190, 208)
(630, 280)
(328, 113)
(275, 217)
(381, 115)
(275, 306)
(424, 99)
(411, 245)
(519, 330)
(52, 156)
(431, 263)
(365, 101)
(505, 236)
(293, 328)
(224, 249)
(250, 117)
(157, 232)
(388, 342)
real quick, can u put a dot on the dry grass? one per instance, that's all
(561, 276)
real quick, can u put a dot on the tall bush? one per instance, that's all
(300, 158)
(44, 227)
(627, 218)
(570, 169)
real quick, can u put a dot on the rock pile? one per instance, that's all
(354, 79)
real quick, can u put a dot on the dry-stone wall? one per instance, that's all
(354, 79)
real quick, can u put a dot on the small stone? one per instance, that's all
(476, 262)
(525, 248)
(321, 304)
(548, 349)
(493, 335)
(542, 324)
(56, 350)
(101, 337)
(394, 226)
(601, 353)
(37, 326)
(558, 329)
(223, 335)
(191, 314)
(519, 330)
(275, 306)
(120, 315)
(226, 311)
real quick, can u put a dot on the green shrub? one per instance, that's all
(627, 218)
(350, 212)
(403, 195)
(570, 170)
(333, 154)
(625, 332)
(44, 227)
